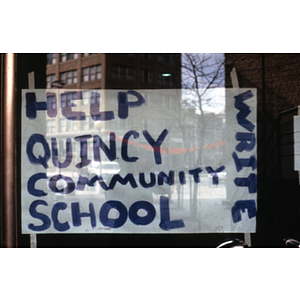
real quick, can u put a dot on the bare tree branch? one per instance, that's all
(201, 71)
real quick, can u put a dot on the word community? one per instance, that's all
(82, 182)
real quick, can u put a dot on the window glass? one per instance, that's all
(198, 177)
(91, 73)
(63, 57)
(122, 72)
(114, 72)
(62, 77)
(50, 79)
(130, 74)
(51, 58)
(147, 76)
(75, 76)
(98, 71)
(159, 117)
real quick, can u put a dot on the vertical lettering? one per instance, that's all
(244, 110)
(249, 182)
(247, 141)
(244, 162)
(242, 205)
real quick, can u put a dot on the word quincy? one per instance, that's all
(97, 145)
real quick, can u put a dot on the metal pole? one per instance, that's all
(9, 155)
(31, 86)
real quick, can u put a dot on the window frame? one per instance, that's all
(87, 73)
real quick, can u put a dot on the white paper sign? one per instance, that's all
(142, 161)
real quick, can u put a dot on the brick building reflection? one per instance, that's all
(99, 71)
(111, 71)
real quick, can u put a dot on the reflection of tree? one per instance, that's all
(199, 72)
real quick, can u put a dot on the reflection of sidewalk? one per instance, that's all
(205, 190)
(211, 209)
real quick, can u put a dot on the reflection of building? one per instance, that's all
(89, 71)
(92, 71)
(109, 71)
(99, 71)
